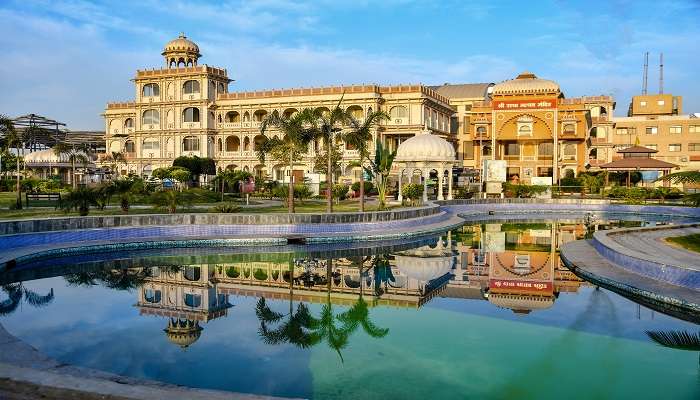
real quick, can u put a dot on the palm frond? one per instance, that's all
(36, 299)
(681, 340)
(682, 177)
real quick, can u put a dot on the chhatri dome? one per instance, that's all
(181, 52)
(425, 146)
(49, 158)
(183, 332)
(526, 83)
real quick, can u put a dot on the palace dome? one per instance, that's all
(424, 263)
(521, 304)
(526, 83)
(49, 157)
(183, 332)
(182, 45)
(425, 146)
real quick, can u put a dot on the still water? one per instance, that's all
(484, 311)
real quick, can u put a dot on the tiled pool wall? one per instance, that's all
(643, 264)
(110, 221)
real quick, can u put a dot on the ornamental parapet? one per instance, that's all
(120, 105)
(148, 73)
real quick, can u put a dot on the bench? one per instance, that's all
(52, 198)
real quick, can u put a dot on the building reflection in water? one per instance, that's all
(514, 266)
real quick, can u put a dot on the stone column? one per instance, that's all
(426, 175)
(441, 177)
(400, 179)
(449, 183)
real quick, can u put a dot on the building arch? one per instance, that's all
(258, 140)
(129, 123)
(150, 90)
(246, 144)
(190, 143)
(259, 115)
(233, 116)
(398, 112)
(190, 87)
(150, 117)
(190, 114)
(289, 112)
(233, 143)
(356, 112)
(246, 116)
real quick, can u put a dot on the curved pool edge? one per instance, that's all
(581, 258)
(25, 365)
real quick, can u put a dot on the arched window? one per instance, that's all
(190, 143)
(259, 115)
(152, 296)
(480, 131)
(289, 112)
(190, 114)
(258, 141)
(356, 112)
(151, 117)
(191, 87)
(222, 88)
(233, 116)
(246, 144)
(129, 123)
(193, 300)
(150, 144)
(246, 116)
(398, 112)
(192, 273)
(233, 143)
(151, 89)
(129, 146)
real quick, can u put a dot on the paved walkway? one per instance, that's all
(580, 257)
(22, 365)
(652, 244)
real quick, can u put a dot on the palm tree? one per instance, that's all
(685, 177)
(15, 292)
(295, 330)
(230, 177)
(171, 199)
(13, 138)
(74, 156)
(358, 314)
(325, 328)
(79, 199)
(293, 144)
(122, 187)
(325, 125)
(680, 340)
(359, 137)
(379, 170)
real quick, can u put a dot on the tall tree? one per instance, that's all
(12, 138)
(360, 136)
(326, 124)
(75, 156)
(290, 147)
(380, 168)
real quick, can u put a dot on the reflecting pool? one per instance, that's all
(483, 311)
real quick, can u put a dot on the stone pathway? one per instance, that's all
(652, 243)
(580, 257)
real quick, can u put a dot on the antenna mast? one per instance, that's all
(661, 73)
(646, 71)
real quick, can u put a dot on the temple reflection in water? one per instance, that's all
(514, 266)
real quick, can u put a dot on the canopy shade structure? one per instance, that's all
(637, 158)
(45, 132)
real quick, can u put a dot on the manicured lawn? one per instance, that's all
(689, 242)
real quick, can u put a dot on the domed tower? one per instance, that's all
(183, 332)
(181, 52)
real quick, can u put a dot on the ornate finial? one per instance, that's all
(182, 35)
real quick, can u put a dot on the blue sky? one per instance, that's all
(66, 59)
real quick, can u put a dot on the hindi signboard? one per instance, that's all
(530, 104)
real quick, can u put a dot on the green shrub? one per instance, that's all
(260, 275)
(463, 193)
(275, 275)
(369, 187)
(413, 192)
(523, 191)
(233, 272)
(340, 191)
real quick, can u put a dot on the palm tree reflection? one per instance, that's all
(16, 291)
(303, 330)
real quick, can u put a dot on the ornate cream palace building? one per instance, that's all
(186, 109)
